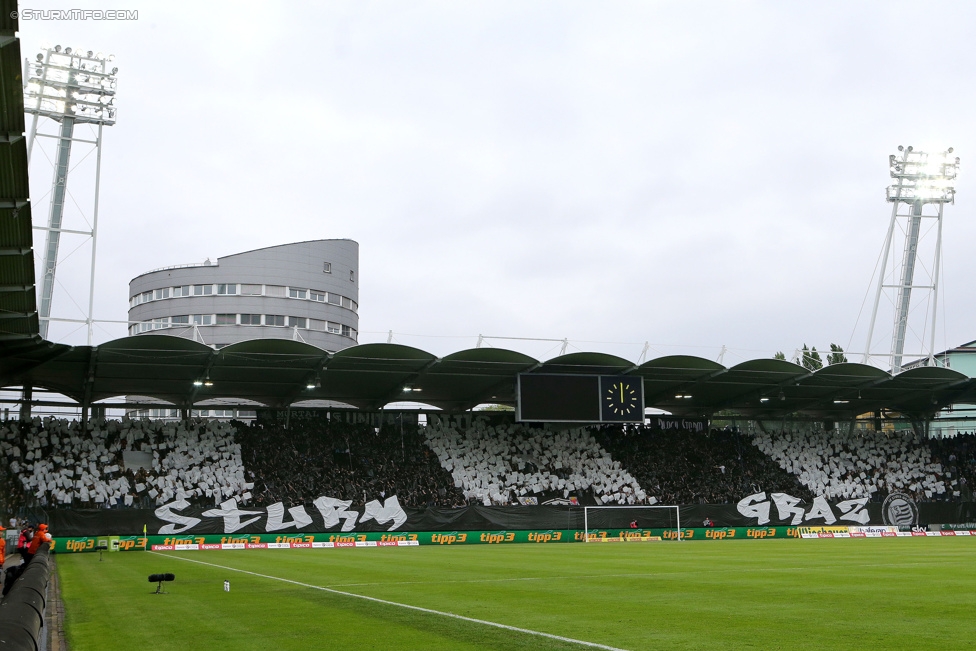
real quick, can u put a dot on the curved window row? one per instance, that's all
(240, 289)
(264, 320)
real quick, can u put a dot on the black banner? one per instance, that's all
(331, 515)
(281, 417)
(675, 423)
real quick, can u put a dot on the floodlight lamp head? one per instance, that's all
(57, 48)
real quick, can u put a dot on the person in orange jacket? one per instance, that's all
(40, 536)
(3, 545)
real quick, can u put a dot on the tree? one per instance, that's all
(779, 355)
(836, 355)
(811, 360)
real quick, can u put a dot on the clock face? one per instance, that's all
(622, 399)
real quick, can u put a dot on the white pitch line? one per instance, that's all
(484, 622)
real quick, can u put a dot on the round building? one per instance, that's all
(306, 291)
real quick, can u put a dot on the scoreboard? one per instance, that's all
(566, 398)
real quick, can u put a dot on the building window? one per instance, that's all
(352, 276)
(346, 303)
(183, 319)
(297, 321)
(183, 290)
(203, 319)
(334, 328)
(160, 323)
(226, 319)
(274, 319)
(161, 293)
(316, 296)
(275, 290)
(251, 290)
(227, 289)
(250, 319)
(294, 292)
(316, 324)
(346, 331)
(202, 290)
(335, 299)
(327, 267)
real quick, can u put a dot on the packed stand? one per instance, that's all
(324, 457)
(499, 464)
(958, 456)
(687, 467)
(867, 464)
(57, 463)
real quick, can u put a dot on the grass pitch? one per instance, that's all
(905, 593)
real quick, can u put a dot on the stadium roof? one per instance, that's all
(278, 373)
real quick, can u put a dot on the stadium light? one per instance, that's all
(70, 87)
(920, 176)
(920, 179)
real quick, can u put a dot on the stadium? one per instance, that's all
(281, 483)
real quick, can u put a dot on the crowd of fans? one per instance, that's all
(350, 462)
(59, 463)
(51, 462)
(872, 463)
(688, 467)
(958, 456)
(499, 464)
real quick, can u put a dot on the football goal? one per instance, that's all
(598, 519)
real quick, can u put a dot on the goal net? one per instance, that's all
(624, 523)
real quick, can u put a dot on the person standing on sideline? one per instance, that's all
(41, 536)
(23, 542)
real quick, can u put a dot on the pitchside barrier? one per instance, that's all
(377, 539)
(22, 609)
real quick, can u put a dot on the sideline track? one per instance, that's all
(430, 611)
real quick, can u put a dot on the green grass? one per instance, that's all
(905, 593)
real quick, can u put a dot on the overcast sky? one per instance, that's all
(688, 174)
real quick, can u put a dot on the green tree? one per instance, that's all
(836, 355)
(811, 359)
(779, 355)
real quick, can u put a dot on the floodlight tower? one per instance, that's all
(924, 184)
(69, 87)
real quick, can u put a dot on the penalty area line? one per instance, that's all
(429, 611)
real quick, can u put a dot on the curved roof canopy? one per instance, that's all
(278, 373)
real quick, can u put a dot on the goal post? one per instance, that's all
(659, 516)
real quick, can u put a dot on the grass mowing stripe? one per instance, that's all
(430, 611)
(625, 575)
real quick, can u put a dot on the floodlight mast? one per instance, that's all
(70, 88)
(921, 179)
